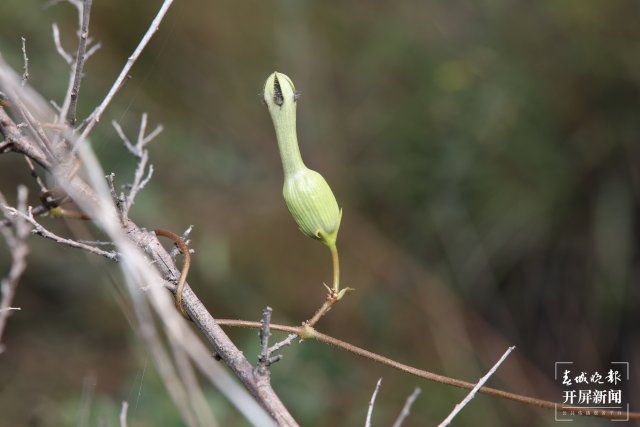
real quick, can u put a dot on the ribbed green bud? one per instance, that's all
(313, 205)
(306, 193)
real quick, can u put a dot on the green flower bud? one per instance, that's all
(306, 193)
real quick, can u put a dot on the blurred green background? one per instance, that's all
(486, 155)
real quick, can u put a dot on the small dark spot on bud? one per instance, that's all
(277, 92)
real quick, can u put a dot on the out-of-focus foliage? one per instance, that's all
(486, 156)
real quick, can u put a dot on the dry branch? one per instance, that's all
(81, 57)
(84, 195)
(16, 241)
(475, 389)
(406, 409)
(78, 178)
(372, 403)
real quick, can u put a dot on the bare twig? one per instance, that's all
(37, 211)
(324, 308)
(154, 133)
(68, 110)
(34, 174)
(66, 102)
(265, 360)
(139, 181)
(17, 142)
(41, 231)
(96, 242)
(372, 403)
(37, 131)
(93, 49)
(80, 59)
(118, 199)
(406, 409)
(124, 138)
(265, 334)
(94, 117)
(139, 151)
(16, 241)
(287, 341)
(25, 69)
(475, 389)
(56, 40)
(123, 413)
(175, 251)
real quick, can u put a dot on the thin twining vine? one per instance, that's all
(305, 332)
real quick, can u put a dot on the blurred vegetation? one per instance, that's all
(486, 155)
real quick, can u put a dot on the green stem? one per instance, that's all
(336, 268)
